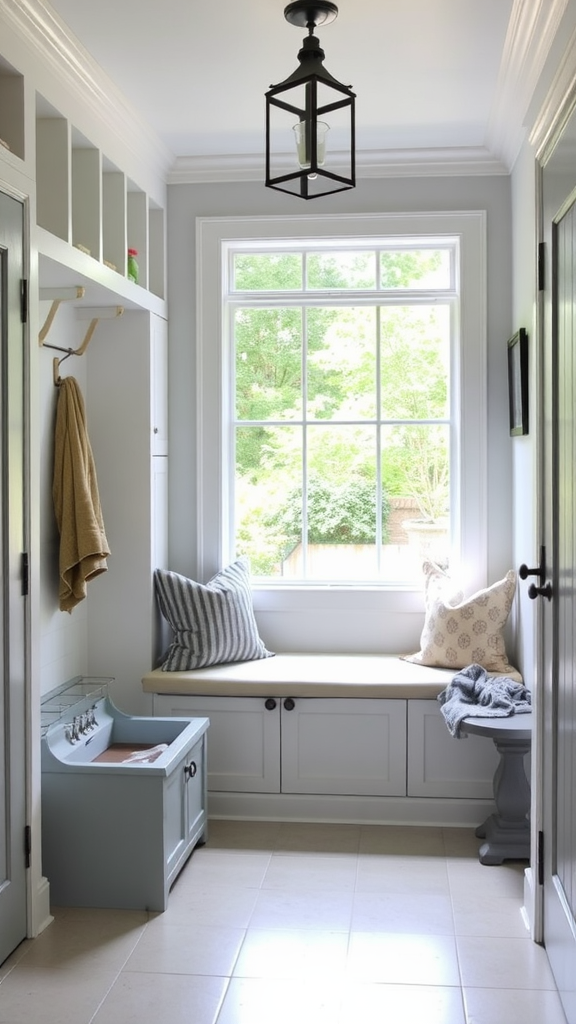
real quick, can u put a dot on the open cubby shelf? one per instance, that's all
(88, 203)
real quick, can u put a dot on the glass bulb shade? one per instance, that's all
(303, 132)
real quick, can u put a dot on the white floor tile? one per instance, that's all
(53, 996)
(402, 912)
(402, 1004)
(468, 875)
(403, 959)
(402, 840)
(397, 874)
(224, 867)
(512, 1006)
(84, 939)
(187, 949)
(218, 905)
(296, 838)
(161, 999)
(503, 963)
(490, 916)
(280, 908)
(242, 835)
(297, 953)
(264, 1001)
(314, 924)
(315, 872)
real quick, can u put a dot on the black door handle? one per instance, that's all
(524, 572)
(539, 570)
(545, 589)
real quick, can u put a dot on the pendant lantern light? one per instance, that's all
(310, 122)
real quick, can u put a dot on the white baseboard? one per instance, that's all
(39, 917)
(349, 809)
(531, 909)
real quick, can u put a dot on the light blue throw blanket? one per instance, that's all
(473, 693)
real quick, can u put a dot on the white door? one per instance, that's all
(558, 607)
(12, 494)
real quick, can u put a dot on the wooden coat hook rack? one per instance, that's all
(93, 314)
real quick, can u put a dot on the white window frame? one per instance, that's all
(468, 372)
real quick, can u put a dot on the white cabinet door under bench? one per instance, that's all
(344, 747)
(300, 745)
(244, 748)
(440, 765)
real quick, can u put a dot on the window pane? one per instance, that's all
(268, 363)
(416, 474)
(267, 271)
(415, 362)
(341, 507)
(341, 378)
(415, 477)
(415, 268)
(268, 474)
(341, 270)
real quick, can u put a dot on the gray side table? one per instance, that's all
(506, 833)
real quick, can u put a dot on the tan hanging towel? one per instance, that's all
(83, 543)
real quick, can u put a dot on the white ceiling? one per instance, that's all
(431, 76)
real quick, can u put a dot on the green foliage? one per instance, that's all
(339, 349)
(337, 514)
(267, 271)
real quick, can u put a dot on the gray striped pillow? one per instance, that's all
(213, 623)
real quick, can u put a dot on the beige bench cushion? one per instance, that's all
(307, 675)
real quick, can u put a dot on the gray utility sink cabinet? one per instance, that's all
(115, 831)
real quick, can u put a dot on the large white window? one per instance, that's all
(340, 410)
(341, 427)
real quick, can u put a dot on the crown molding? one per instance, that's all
(411, 163)
(54, 46)
(531, 31)
(558, 105)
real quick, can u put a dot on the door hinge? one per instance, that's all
(27, 845)
(541, 255)
(540, 858)
(25, 574)
(24, 300)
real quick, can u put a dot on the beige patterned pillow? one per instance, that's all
(459, 632)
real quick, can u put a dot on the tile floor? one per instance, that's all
(320, 924)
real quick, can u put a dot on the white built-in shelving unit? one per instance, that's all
(89, 203)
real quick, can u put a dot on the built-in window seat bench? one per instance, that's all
(330, 737)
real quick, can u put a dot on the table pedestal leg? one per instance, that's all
(507, 833)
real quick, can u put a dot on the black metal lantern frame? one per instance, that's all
(309, 95)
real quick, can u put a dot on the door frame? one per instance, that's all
(547, 129)
(19, 643)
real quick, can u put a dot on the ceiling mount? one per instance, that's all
(310, 15)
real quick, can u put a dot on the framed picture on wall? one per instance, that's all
(518, 382)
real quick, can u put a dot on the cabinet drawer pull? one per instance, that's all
(289, 704)
(270, 704)
(190, 770)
